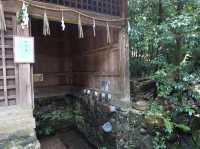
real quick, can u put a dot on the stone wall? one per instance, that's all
(17, 128)
(139, 134)
(20, 140)
(129, 128)
(97, 112)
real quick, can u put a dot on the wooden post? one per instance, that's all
(124, 56)
(25, 95)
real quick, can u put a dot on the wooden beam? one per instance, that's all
(70, 17)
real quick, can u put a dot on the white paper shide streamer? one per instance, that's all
(94, 27)
(108, 34)
(2, 18)
(63, 22)
(129, 27)
(46, 27)
(132, 53)
(80, 28)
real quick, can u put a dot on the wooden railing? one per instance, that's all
(110, 7)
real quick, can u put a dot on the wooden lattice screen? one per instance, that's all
(7, 66)
(111, 7)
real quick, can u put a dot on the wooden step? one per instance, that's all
(8, 87)
(9, 97)
(8, 67)
(7, 46)
(8, 56)
(7, 77)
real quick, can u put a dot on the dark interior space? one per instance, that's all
(63, 60)
(61, 64)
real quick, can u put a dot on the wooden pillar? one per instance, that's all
(25, 92)
(124, 56)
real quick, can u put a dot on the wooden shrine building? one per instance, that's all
(79, 46)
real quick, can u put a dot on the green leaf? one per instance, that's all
(183, 127)
(168, 125)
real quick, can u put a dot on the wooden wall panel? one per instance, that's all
(84, 63)
(7, 66)
(53, 58)
(95, 61)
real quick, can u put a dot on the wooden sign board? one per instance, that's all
(38, 77)
(24, 49)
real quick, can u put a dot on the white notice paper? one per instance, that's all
(24, 49)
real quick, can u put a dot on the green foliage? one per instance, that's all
(47, 122)
(155, 109)
(102, 147)
(164, 44)
(139, 68)
(20, 13)
(175, 85)
(183, 127)
(19, 16)
(142, 33)
(168, 125)
(159, 141)
(164, 124)
(163, 27)
(157, 113)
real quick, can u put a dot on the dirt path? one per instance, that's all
(65, 140)
(52, 143)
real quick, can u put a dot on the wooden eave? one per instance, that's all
(70, 17)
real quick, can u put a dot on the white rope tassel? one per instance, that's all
(46, 28)
(94, 27)
(2, 18)
(80, 28)
(108, 34)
